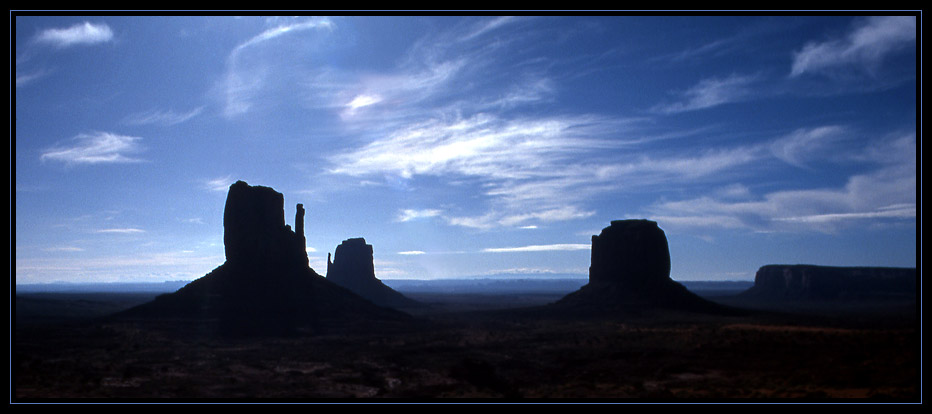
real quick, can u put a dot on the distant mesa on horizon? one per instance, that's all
(265, 286)
(353, 268)
(818, 283)
(630, 271)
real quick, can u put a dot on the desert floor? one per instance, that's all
(466, 349)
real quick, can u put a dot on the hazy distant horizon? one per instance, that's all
(464, 146)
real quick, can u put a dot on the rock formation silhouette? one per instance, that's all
(265, 286)
(630, 271)
(353, 268)
(810, 282)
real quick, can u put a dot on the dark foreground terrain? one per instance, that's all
(464, 347)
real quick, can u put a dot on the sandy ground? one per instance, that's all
(843, 355)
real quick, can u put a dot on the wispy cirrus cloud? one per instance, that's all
(281, 30)
(125, 230)
(709, 93)
(517, 215)
(527, 167)
(488, 26)
(96, 148)
(412, 253)
(884, 193)
(219, 184)
(86, 33)
(58, 38)
(530, 167)
(162, 117)
(516, 161)
(23, 79)
(539, 248)
(899, 211)
(248, 75)
(63, 249)
(805, 144)
(863, 48)
(411, 214)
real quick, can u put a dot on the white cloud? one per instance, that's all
(488, 26)
(866, 46)
(96, 148)
(519, 162)
(64, 249)
(803, 144)
(901, 211)
(526, 167)
(248, 75)
(27, 78)
(562, 213)
(282, 30)
(80, 34)
(129, 230)
(734, 191)
(168, 117)
(220, 184)
(402, 90)
(409, 214)
(885, 193)
(539, 248)
(710, 92)
(363, 100)
(412, 253)
(494, 219)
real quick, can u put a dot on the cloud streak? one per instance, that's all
(27, 78)
(539, 248)
(167, 117)
(806, 143)
(129, 230)
(96, 148)
(865, 47)
(410, 215)
(248, 75)
(80, 34)
(279, 31)
(885, 193)
(220, 184)
(709, 93)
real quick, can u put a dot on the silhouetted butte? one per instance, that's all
(265, 286)
(353, 268)
(630, 271)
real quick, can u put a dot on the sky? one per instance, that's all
(486, 146)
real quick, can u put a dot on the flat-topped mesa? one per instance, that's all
(810, 282)
(631, 253)
(254, 229)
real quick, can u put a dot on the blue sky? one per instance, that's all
(465, 146)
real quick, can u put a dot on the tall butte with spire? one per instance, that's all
(265, 286)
